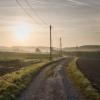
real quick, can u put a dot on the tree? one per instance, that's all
(38, 50)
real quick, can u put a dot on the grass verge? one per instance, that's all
(82, 82)
(11, 85)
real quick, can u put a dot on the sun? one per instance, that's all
(22, 31)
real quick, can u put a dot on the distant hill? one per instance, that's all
(91, 46)
(83, 48)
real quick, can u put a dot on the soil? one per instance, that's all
(91, 69)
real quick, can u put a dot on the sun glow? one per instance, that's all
(23, 31)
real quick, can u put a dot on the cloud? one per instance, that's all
(78, 2)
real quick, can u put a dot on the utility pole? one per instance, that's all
(50, 43)
(60, 47)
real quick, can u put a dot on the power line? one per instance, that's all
(41, 2)
(42, 20)
(29, 15)
(36, 1)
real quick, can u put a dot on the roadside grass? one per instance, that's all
(12, 84)
(82, 82)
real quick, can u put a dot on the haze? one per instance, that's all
(76, 21)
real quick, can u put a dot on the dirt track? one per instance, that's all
(52, 83)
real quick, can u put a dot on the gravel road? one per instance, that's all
(52, 83)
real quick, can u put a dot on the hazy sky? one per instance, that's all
(76, 21)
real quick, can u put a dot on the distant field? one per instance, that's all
(84, 54)
(10, 61)
(91, 69)
(12, 55)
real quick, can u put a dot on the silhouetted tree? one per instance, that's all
(38, 50)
